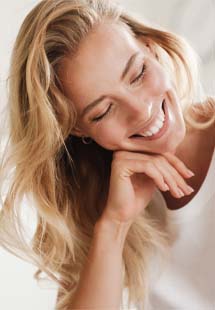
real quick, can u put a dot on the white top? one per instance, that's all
(187, 281)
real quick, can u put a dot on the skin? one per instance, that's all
(196, 152)
(105, 53)
(96, 71)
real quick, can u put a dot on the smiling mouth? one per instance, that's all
(161, 131)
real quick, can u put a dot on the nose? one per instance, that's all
(135, 108)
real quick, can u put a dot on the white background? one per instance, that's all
(195, 19)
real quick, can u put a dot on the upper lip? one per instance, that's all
(146, 125)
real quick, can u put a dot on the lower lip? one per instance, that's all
(162, 131)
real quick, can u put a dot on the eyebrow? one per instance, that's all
(91, 105)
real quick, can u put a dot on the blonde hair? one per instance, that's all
(53, 167)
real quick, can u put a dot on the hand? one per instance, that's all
(134, 178)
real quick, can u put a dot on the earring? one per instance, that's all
(83, 138)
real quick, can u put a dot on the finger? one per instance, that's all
(171, 158)
(179, 165)
(170, 181)
(143, 166)
(130, 155)
(181, 183)
(178, 187)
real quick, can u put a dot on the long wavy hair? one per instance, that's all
(65, 181)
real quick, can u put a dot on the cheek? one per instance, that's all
(108, 135)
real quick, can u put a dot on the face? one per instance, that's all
(124, 98)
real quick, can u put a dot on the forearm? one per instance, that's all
(101, 282)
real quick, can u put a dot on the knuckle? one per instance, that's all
(178, 179)
(174, 172)
(175, 160)
(160, 159)
(170, 157)
(148, 164)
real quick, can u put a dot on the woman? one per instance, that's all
(103, 117)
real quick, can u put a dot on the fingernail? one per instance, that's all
(180, 193)
(166, 187)
(190, 173)
(190, 189)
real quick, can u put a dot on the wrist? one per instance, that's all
(112, 231)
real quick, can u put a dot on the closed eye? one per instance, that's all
(97, 119)
(140, 76)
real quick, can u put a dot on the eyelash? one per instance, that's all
(97, 119)
(140, 76)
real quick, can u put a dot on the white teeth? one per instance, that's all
(157, 125)
(155, 128)
(161, 115)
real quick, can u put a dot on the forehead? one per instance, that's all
(98, 64)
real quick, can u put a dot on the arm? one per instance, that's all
(101, 282)
(133, 179)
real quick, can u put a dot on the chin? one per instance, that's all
(169, 144)
(173, 142)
